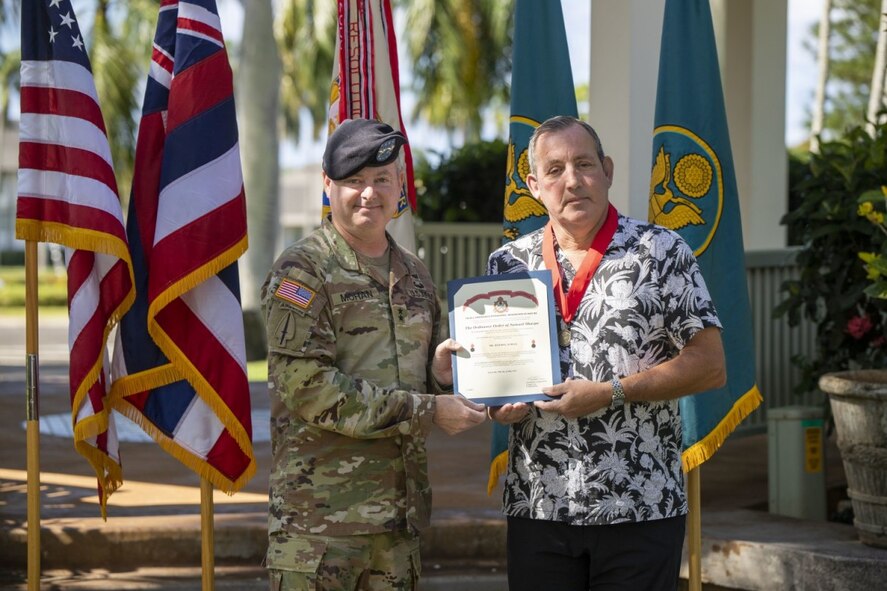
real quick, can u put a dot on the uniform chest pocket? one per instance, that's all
(362, 317)
(413, 326)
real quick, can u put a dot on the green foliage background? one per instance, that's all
(823, 219)
(852, 41)
(466, 186)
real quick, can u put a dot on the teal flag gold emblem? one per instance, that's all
(693, 191)
(541, 87)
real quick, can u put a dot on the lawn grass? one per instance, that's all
(52, 289)
(52, 295)
(257, 371)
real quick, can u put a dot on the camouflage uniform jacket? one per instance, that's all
(349, 359)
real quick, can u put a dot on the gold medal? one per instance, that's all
(564, 336)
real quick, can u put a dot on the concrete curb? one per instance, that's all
(240, 538)
(744, 549)
(741, 549)
(171, 540)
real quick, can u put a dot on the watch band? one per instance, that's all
(618, 393)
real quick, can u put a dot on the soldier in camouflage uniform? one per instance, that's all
(352, 324)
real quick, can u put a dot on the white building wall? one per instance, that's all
(751, 38)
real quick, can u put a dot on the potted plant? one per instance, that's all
(841, 286)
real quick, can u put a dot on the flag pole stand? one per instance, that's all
(207, 550)
(694, 520)
(32, 415)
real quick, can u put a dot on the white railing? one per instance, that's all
(460, 250)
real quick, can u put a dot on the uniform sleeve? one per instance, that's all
(304, 377)
(435, 387)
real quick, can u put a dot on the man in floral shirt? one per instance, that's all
(595, 493)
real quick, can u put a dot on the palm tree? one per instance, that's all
(118, 67)
(10, 65)
(461, 54)
(876, 94)
(258, 80)
(306, 33)
(822, 81)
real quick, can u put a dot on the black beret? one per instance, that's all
(358, 143)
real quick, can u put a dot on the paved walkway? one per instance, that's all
(151, 538)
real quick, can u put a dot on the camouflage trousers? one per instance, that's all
(373, 562)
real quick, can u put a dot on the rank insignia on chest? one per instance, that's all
(294, 293)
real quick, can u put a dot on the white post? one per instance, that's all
(625, 39)
(825, 25)
(876, 97)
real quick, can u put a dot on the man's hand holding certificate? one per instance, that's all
(506, 326)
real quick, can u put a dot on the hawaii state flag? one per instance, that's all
(366, 85)
(693, 191)
(541, 88)
(67, 194)
(180, 361)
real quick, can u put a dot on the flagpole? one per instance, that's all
(694, 520)
(207, 553)
(32, 415)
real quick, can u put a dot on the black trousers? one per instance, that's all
(554, 556)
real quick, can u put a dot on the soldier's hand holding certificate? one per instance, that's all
(506, 326)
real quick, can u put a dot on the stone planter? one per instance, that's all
(859, 405)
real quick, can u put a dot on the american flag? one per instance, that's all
(295, 293)
(67, 194)
(180, 362)
(366, 84)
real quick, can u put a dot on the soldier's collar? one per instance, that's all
(348, 258)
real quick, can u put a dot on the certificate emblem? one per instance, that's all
(500, 305)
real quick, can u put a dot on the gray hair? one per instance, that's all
(560, 123)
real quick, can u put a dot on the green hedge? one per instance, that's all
(51, 289)
(468, 185)
(12, 257)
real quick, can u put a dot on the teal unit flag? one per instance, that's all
(541, 87)
(693, 191)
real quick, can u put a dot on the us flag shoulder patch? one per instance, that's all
(295, 293)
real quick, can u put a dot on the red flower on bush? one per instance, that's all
(858, 326)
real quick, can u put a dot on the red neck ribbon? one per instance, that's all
(568, 303)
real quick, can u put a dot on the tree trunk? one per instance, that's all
(822, 58)
(258, 97)
(876, 96)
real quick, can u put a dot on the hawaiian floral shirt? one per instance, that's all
(644, 303)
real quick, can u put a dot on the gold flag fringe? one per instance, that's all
(76, 238)
(497, 470)
(695, 455)
(179, 368)
(201, 467)
(108, 472)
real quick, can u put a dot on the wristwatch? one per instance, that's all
(618, 393)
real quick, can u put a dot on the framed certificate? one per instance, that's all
(506, 326)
